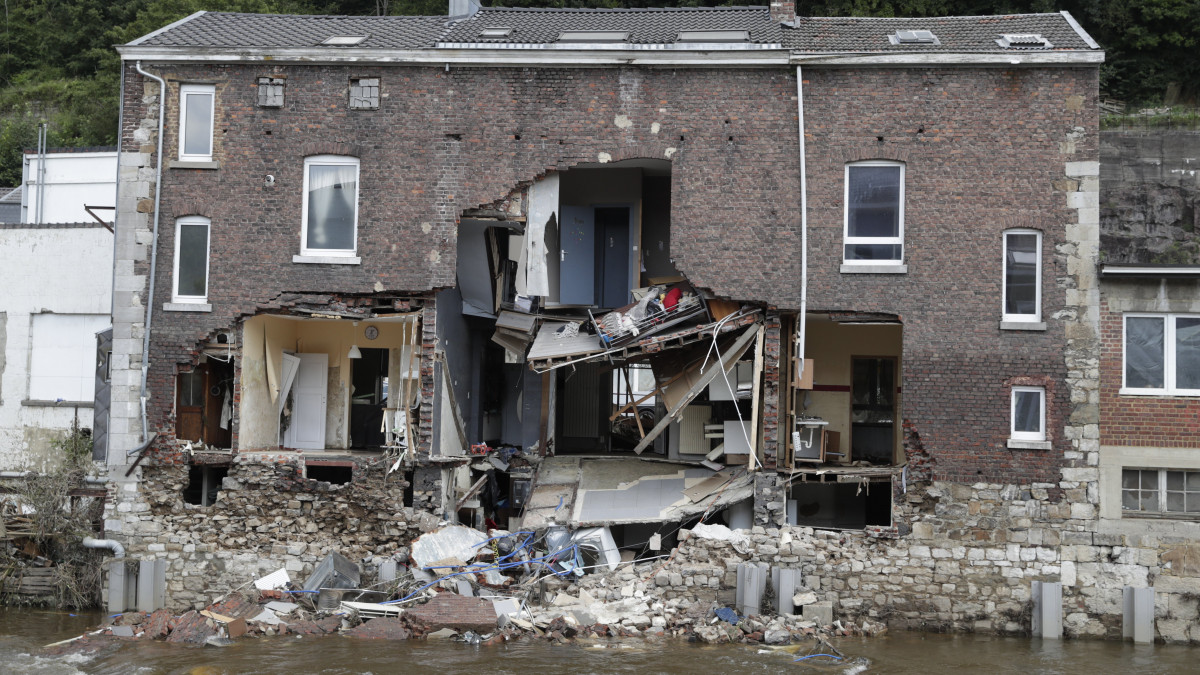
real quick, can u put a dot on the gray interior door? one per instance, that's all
(612, 227)
(577, 239)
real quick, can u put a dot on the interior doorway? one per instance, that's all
(204, 404)
(873, 408)
(369, 378)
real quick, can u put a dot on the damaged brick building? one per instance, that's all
(596, 267)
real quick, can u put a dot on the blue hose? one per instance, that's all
(477, 570)
(802, 658)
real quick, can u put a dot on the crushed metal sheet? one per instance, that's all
(335, 571)
(277, 579)
(454, 541)
(547, 345)
(372, 609)
(268, 617)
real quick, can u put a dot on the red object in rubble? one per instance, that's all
(672, 298)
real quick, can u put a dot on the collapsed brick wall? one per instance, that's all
(267, 516)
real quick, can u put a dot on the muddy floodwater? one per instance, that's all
(23, 632)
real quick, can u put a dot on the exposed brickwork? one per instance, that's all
(450, 610)
(1152, 421)
(982, 149)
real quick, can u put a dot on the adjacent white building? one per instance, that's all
(57, 281)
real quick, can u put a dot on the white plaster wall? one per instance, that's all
(57, 269)
(73, 180)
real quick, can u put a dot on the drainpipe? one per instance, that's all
(117, 549)
(803, 224)
(162, 108)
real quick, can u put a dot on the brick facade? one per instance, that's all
(984, 151)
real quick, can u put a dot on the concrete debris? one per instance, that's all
(280, 607)
(457, 542)
(269, 617)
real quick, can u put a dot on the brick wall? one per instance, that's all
(983, 149)
(1150, 421)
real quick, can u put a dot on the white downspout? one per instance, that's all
(162, 108)
(801, 329)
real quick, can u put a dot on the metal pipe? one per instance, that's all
(803, 225)
(162, 111)
(41, 175)
(111, 544)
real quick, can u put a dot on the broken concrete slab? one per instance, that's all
(280, 607)
(819, 612)
(442, 634)
(268, 617)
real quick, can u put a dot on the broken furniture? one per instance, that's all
(625, 324)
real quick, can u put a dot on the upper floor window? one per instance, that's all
(1022, 275)
(330, 210)
(191, 260)
(196, 122)
(1028, 414)
(874, 232)
(1162, 354)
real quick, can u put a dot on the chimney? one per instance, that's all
(465, 9)
(782, 11)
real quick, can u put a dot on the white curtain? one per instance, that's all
(332, 196)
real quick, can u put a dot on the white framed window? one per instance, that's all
(1028, 414)
(1022, 275)
(330, 211)
(191, 259)
(1162, 354)
(1160, 491)
(874, 218)
(196, 122)
(62, 356)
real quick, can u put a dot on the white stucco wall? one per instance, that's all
(73, 180)
(52, 269)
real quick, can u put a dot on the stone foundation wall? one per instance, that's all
(967, 566)
(267, 516)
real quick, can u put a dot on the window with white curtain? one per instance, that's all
(62, 360)
(196, 122)
(1022, 275)
(1162, 354)
(330, 210)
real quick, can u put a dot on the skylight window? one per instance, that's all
(1023, 41)
(714, 36)
(495, 32)
(913, 37)
(344, 40)
(593, 36)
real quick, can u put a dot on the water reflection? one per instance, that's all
(23, 632)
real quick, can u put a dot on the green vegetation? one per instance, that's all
(58, 65)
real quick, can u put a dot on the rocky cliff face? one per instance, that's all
(1149, 196)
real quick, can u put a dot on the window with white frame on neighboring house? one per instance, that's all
(330, 210)
(191, 259)
(1164, 491)
(1028, 414)
(1162, 354)
(874, 222)
(196, 122)
(62, 359)
(1022, 276)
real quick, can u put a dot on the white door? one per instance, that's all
(307, 429)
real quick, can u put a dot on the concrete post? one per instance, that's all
(784, 582)
(1047, 610)
(151, 585)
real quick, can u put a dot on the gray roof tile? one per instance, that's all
(645, 26)
(229, 29)
(955, 33)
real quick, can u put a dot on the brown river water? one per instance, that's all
(23, 632)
